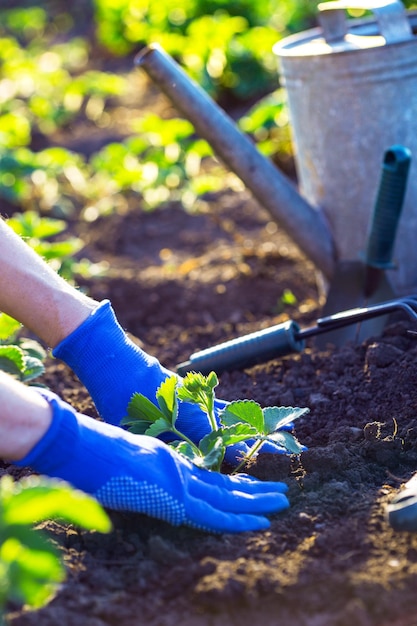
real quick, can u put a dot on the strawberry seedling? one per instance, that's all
(240, 421)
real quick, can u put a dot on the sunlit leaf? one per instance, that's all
(140, 408)
(278, 417)
(157, 428)
(12, 360)
(8, 326)
(33, 368)
(246, 411)
(287, 441)
(37, 499)
(167, 399)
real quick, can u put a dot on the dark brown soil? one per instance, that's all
(181, 282)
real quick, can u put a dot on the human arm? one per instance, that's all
(34, 294)
(88, 337)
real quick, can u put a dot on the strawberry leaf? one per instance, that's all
(137, 427)
(237, 433)
(12, 360)
(213, 459)
(287, 441)
(167, 398)
(277, 417)
(243, 411)
(184, 448)
(140, 408)
(33, 368)
(157, 428)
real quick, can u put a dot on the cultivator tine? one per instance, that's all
(408, 305)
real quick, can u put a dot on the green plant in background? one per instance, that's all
(267, 122)
(30, 564)
(239, 421)
(37, 232)
(162, 163)
(47, 84)
(19, 356)
(224, 45)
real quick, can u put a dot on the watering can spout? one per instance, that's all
(306, 225)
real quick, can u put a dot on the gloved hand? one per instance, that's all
(142, 474)
(113, 368)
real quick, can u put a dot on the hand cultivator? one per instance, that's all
(287, 338)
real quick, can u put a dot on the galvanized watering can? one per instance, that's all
(352, 89)
(352, 92)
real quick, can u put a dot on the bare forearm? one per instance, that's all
(31, 292)
(24, 418)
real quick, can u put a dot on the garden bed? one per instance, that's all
(181, 282)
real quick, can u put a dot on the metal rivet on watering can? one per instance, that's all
(352, 93)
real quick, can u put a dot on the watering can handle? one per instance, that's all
(388, 207)
(390, 14)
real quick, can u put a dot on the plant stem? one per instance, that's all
(187, 440)
(206, 402)
(212, 417)
(256, 446)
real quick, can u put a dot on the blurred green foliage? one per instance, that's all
(225, 45)
(48, 85)
(53, 81)
(31, 566)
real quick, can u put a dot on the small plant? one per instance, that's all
(19, 356)
(239, 421)
(30, 565)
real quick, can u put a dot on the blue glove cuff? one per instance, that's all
(109, 364)
(59, 441)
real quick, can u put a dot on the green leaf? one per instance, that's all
(8, 326)
(32, 348)
(196, 388)
(33, 575)
(167, 398)
(135, 426)
(187, 450)
(35, 499)
(27, 536)
(229, 435)
(33, 368)
(39, 563)
(276, 417)
(209, 441)
(30, 224)
(246, 411)
(213, 459)
(58, 250)
(12, 360)
(157, 428)
(287, 441)
(140, 408)
(237, 433)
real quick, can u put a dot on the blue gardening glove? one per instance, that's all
(113, 368)
(142, 474)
